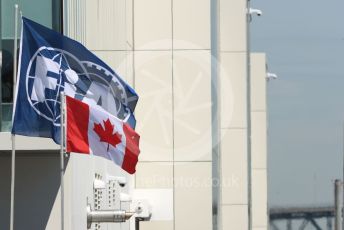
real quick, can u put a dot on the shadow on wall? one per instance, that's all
(5, 190)
(36, 189)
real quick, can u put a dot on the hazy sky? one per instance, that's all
(304, 43)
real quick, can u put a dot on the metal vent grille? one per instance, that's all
(111, 194)
(98, 197)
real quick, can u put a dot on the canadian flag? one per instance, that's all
(92, 130)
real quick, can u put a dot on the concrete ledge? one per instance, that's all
(27, 143)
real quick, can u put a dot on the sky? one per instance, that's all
(304, 44)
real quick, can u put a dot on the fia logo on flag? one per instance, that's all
(51, 63)
(52, 71)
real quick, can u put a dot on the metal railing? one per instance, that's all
(307, 216)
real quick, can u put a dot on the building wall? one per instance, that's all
(233, 149)
(163, 49)
(259, 142)
(172, 66)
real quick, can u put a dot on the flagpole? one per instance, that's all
(13, 162)
(62, 112)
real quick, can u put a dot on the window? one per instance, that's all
(45, 12)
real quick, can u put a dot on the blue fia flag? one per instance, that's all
(50, 63)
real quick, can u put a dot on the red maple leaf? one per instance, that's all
(106, 134)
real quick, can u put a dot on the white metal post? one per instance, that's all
(13, 161)
(343, 176)
(338, 202)
(62, 112)
(215, 98)
(248, 107)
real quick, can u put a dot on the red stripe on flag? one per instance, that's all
(131, 150)
(77, 126)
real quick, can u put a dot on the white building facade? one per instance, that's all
(188, 61)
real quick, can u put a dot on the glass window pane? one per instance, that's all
(6, 122)
(37, 10)
(7, 70)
